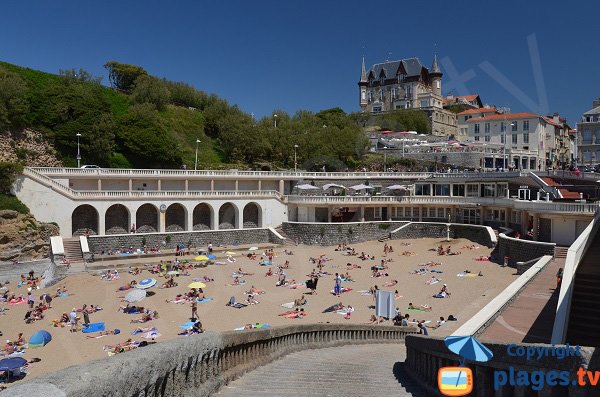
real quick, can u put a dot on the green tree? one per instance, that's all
(13, 101)
(148, 89)
(8, 174)
(122, 76)
(80, 75)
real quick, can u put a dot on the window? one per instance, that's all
(424, 103)
(526, 125)
(489, 190)
(441, 213)
(502, 189)
(487, 138)
(502, 126)
(526, 137)
(597, 136)
(370, 96)
(422, 189)
(442, 190)
(587, 136)
(458, 190)
(437, 84)
(363, 95)
(514, 125)
(502, 138)
(477, 138)
(376, 109)
(476, 127)
(487, 128)
(377, 213)
(381, 80)
(472, 190)
(381, 94)
(514, 139)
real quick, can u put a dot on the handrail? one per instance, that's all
(575, 254)
(199, 365)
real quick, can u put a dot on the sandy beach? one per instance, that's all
(468, 296)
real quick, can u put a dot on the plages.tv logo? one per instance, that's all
(458, 381)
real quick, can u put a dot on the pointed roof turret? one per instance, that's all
(363, 72)
(435, 68)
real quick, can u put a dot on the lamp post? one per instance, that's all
(384, 159)
(78, 151)
(275, 120)
(196, 162)
(295, 158)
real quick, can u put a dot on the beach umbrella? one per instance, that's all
(230, 253)
(172, 273)
(333, 185)
(361, 187)
(201, 258)
(468, 347)
(151, 335)
(397, 187)
(211, 256)
(197, 284)
(12, 363)
(306, 186)
(253, 249)
(135, 296)
(146, 283)
(40, 339)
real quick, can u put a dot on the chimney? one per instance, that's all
(596, 103)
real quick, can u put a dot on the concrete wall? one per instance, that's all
(479, 234)
(519, 250)
(337, 233)
(99, 244)
(197, 366)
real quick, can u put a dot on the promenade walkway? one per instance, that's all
(530, 317)
(345, 371)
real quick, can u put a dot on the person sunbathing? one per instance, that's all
(103, 333)
(426, 308)
(251, 300)
(350, 266)
(300, 301)
(141, 330)
(135, 271)
(254, 290)
(296, 313)
(347, 277)
(408, 253)
(432, 280)
(127, 286)
(243, 273)
(170, 283)
(269, 272)
(146, 317)
(390, 283)
(374, 320)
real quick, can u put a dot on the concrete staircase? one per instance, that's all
(584, 319)
(560, 252)
(288, 241)
(73, 250)
(331, 372)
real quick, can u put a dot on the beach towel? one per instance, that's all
(289, 305)
(342, 290)
(187, 325)
(204, 300)
(416, 310)
(239, 305)
(254, 326)
(430, 282)
(436, 271)
(463, 274)
(343, 312)
(442, 295)
(64, 294)
(365, 293)
(265, 263)
(141, 332)
(17, 303)
(93, 327)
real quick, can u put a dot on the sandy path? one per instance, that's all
(468, 296)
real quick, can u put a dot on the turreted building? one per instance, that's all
(406, 84)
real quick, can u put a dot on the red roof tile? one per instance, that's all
(479, 110)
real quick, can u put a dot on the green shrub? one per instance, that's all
(8, 174)
(384, 226)
(9, 202)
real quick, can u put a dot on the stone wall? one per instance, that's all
(337, 233)
(519, 250)
(99, 244)
(461, 159)
(198, 365)
(478, 234)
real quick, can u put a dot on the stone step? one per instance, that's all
(330, 372)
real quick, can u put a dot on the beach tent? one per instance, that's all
(306, 186)
(135, 296)
(361, 187)
(40, 338)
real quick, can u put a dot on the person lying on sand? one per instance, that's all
(296, 313)
(103, 333)
(390, 283)
(374, 320)
(426, 308)
(269, 272)
(146, 317)
(127, 286)
(170, 283)
(251, 300)
(350, 266)
(300, 301)
(254, 290)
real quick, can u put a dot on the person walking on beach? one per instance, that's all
(73, 320)
(337, 289)
(86, 315)
(194, 310)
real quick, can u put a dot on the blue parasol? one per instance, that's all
(211, 256)
(146, 283)
(10, 364)
(469, 348)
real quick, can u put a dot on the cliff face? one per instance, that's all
(28, 147)
(24, 238)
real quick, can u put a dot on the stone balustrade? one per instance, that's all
(426, 355)
(198, 365)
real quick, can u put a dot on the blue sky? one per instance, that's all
(291, 55)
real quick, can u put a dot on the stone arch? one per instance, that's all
(228, 216)
(202, 217)
(117, 220)
(252, 216)
(175, 218)
(146, 218)
(84, 220)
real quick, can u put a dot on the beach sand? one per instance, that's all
(468, 296)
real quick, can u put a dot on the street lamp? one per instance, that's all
(196, 162)
(384, 159)
(78, 151)
(295, 158)
(275, 120)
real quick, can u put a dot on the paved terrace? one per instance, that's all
(530, 317)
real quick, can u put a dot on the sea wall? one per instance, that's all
(482, 235)
(99, 244)
(519, 250)
(197, 366)
(337, 233)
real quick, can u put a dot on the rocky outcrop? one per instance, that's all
(22, 237)
(28, 147)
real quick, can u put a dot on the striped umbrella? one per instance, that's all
(146, 283)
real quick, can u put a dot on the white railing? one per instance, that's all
(575, 254)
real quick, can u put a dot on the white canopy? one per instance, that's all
(398, 187)
(306, 186)
(330, 185)
(361, 187)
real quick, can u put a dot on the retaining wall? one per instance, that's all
(480, 234)
(98, 244)
(199, 364)
(338, 233)
(519, 250)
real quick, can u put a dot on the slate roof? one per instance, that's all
(593, 111)
(412, 66)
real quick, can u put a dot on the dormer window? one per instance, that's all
(381, 80)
